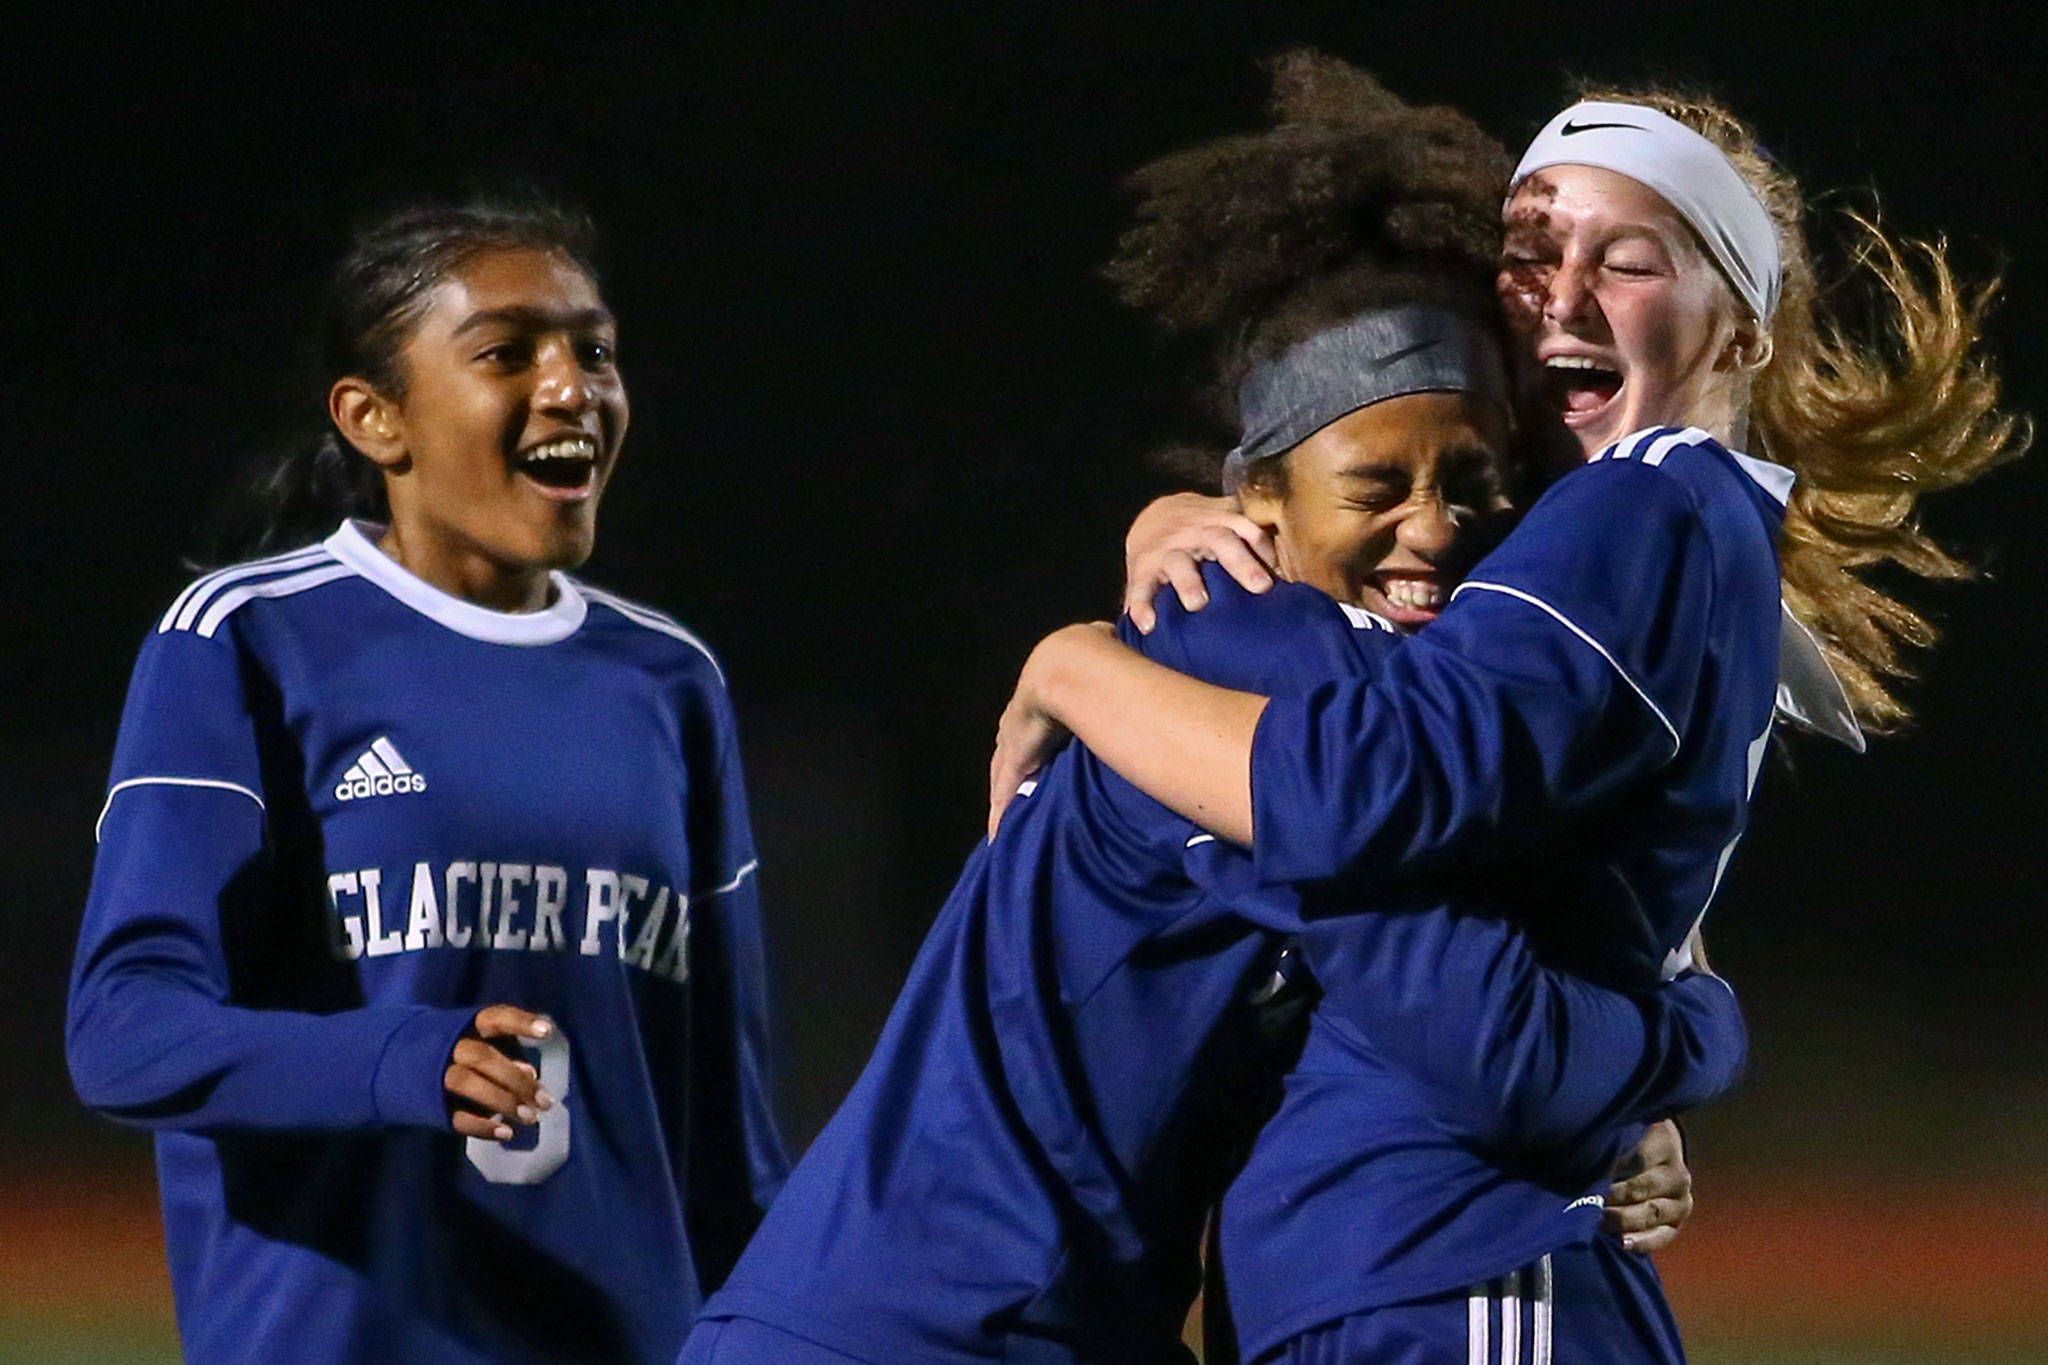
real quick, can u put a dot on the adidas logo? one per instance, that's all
(379, 772)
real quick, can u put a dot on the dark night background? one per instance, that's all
(888, 429)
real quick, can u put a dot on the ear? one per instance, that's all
(1750, 347)
(367, 420)
(1263, 504)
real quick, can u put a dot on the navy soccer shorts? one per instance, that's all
(1591, 1304)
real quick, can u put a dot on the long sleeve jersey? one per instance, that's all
(1022, 1171)
(1580, 728)
(346, 812)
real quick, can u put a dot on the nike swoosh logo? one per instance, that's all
(1571, 128)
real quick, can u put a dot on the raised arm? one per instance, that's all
(1508, 704)
(1171, 540)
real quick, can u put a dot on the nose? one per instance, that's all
(561, 385)
(1428, 527)
(1570, 294)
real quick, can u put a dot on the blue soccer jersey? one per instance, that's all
(1590, 711)
(1022, 1171)
(347, 811)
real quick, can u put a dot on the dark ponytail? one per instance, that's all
(373, 302)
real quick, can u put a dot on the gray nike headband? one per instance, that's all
(1379, 354)
(1691, 173)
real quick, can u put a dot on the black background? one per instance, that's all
(888, 428)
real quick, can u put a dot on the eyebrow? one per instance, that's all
(529, 319)
(1457, 457)
(1372, 471)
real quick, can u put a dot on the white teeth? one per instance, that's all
(568, 448)
(1416, 594)
(1572, 362)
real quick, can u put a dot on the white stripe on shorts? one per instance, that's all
(1508, 1293)
(1511, 1318)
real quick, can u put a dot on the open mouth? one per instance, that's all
(1578, 386)
(1411, 601)
(565, 465)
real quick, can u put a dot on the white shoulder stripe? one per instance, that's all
(1672, 440)
(1361, 619)
(206, 582)
(653, 620)
(190, 601)
(745, 872)
(1476, 585)
(1652, 444)
(226, 604)
(212, 782)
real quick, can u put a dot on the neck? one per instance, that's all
(464, 570)
(1723, 413)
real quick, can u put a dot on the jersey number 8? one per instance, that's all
(503, 1164)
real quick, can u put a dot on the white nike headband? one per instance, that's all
(1689, 171)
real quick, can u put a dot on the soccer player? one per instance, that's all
(1593, 702)
(423, 930)
(1077, 1061)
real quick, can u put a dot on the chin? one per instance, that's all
(567, 544)
(572, 554)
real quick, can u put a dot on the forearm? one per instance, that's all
(1183, 742)
(1515, 1055)
(150, 1051)
(154, 1037)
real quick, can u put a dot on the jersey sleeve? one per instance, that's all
(737, 1164)
(153, 1034)
(1283, 641)
(1564, 669)
(1513, 1055)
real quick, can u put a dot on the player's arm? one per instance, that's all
(153, 1036)
(1173, 540)
(737, 1162)
(1514, 1055)
(1540, 692)
(1237, 644)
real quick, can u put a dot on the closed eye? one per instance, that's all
(507, 355)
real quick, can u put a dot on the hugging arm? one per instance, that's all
(1511, 1054)
(1543, 691)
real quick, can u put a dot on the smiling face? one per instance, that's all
(499, 448)
(1628, 322)
(1375, 508)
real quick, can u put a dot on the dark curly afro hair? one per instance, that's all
(1353, 199)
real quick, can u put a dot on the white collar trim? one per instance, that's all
(1810, 696)
(556, 621)
(1774, 479)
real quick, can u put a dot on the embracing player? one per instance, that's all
(1592, 706)
(1078, 1061)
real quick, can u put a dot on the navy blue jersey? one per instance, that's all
(1022, 1171)
(347, 811)
(1589, 712)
